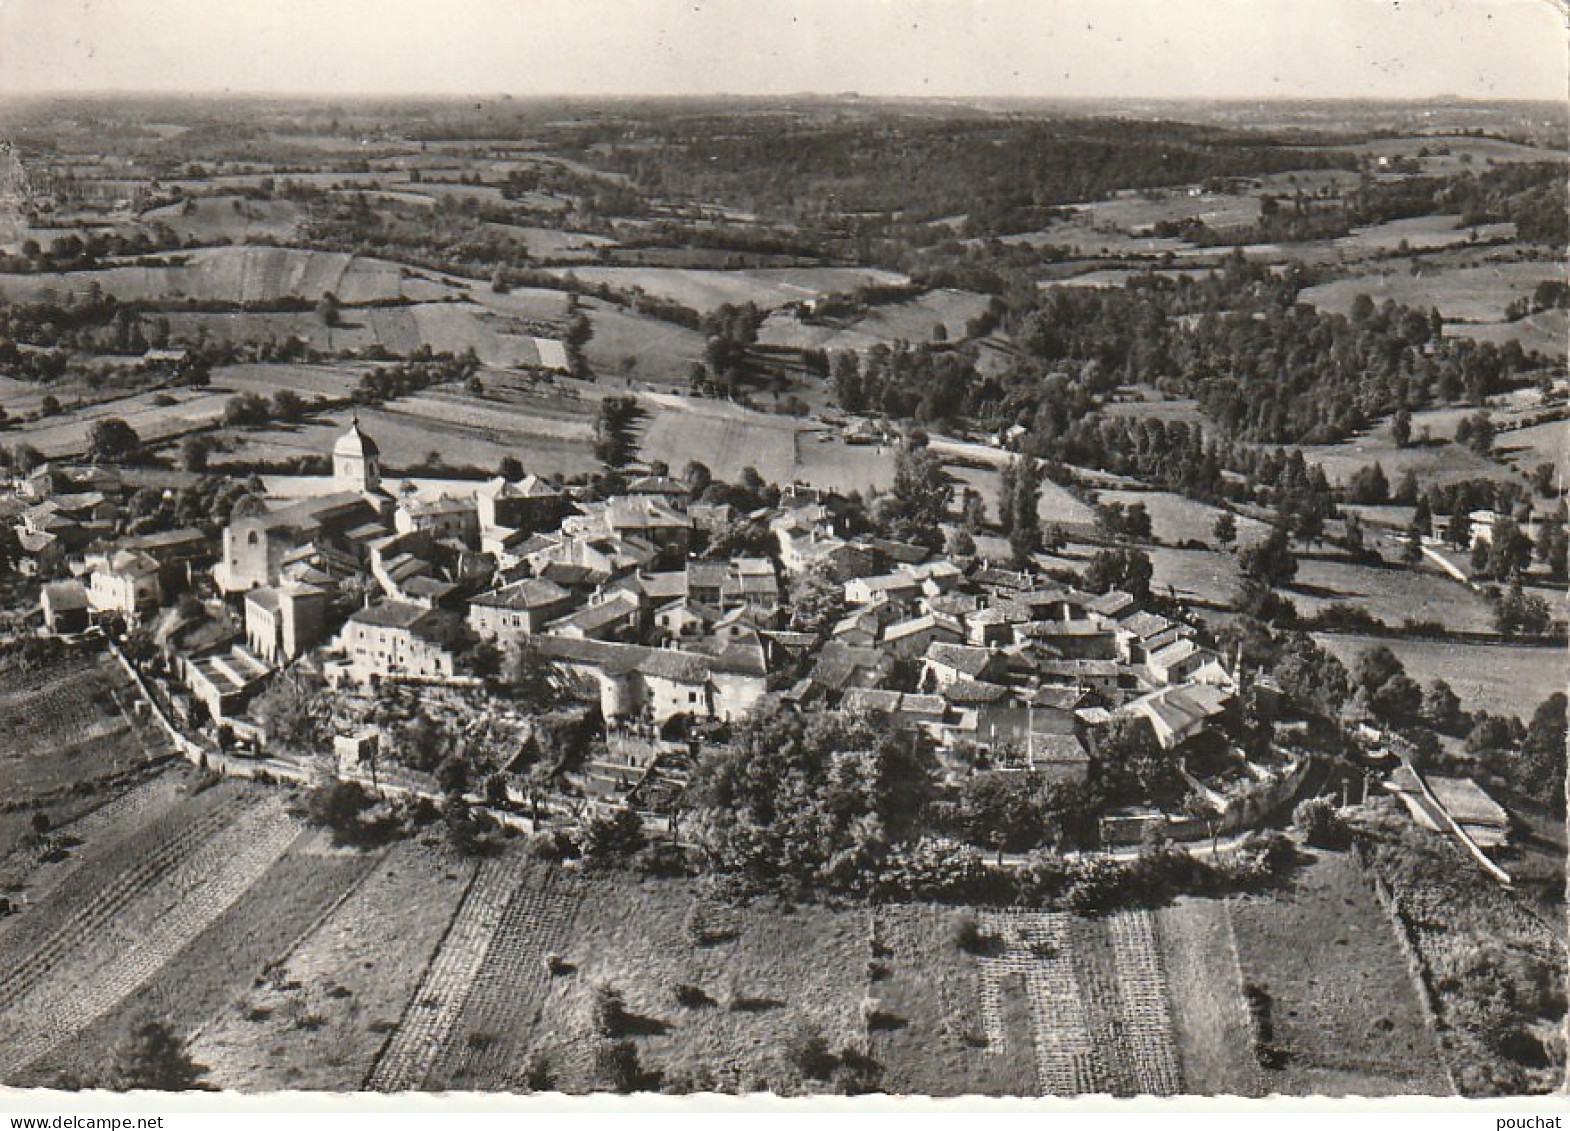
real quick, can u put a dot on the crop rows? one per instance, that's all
(514, 977)
(1037, 947)
(130, 808)
(89, 921)
(65, 712)
(92, 972)
(430, 1017)
(1102, 992)
(1147, 1016)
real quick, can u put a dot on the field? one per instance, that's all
(911, 321)
(629, 346)
(188, 409)
(319, 1019)
(1341, 1001)
(1539, 443)
(1505, 680)
(1207, 577)
(236, 274)
(1431, 463)
(129, 916)
(222, 219)
(1178, 519)
(1392, 593)
(705, 290)
(293, 964)
(71, 723)
(1467, 294)
(1057, 507)
(1545, 332)
(724, 437)
(550, 435)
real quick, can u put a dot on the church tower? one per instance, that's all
(357, 462)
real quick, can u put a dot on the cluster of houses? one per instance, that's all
(398, 585)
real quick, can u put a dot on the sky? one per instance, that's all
(949, 48)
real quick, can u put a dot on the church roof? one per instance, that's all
(355, 443)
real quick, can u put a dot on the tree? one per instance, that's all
(1131, 768)
(1225, 528)
(614, 442)
(1518, 613)
(1311, 676)
(293, 711)
(1401, 428)
(1553, 547)
(815, 797)
(1539, 771)
(1128, 570)
(1385, 688)
(1019, 507)
(616, 836)
(1319, 822)
(1368, 485)
(153, 1058)
(510, 468)
(526, 674)
(288, 405)
(195, 450)
(1270, 561)
(697, 476)
(1000, 810)
(1442, 707)
(617, 1067)
(112, 440)
(920, 498)
(327, 309)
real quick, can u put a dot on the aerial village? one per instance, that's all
(375, 586)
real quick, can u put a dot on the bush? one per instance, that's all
(966, 934)
(807, 1051)
(608, 1012)
(617, 1067)
(689, 996)
(1260, 1005)
(1320, 823)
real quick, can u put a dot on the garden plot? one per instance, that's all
(496, 1024)
(250, 938)
(92, 836)
(1210, 1022)
(1098, 997)
(67, 724)
(428, 1021)
(1341, 1000)
(948, 1046)
(96, 959)
(318, 1019)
